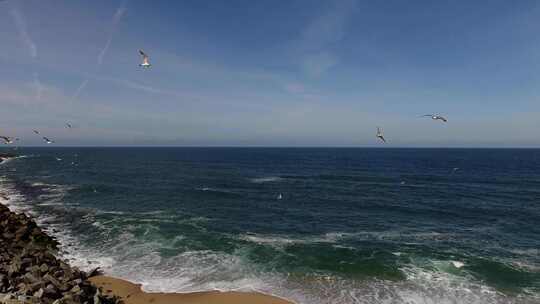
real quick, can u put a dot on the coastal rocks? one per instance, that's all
(31, 273)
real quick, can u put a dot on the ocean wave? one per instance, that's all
(209, 189)
(337, 237)
(266, 179)
(275, 240)
(110, 212)
(10, 159)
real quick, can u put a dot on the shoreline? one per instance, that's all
(132, 293)
(57, 280)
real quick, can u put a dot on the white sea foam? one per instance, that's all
(209, 189)
(279, 241)
(458, 264)
(266, 179)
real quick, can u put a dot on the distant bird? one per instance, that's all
(380, 134)
(48, 141)
(435, 117)
(145, 63)
(454, 170)
(58, 159)
(7, 140)
(280, 196)
(36, 131)
(68, 125)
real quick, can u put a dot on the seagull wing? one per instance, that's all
(36, 131)
(443, 119)
(427, 115)
(144, 55)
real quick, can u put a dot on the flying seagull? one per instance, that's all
(36, 131)
(435, 117)
(68, 125)
(48, 141)
(380, 135)
(7, 140)
(145, 63)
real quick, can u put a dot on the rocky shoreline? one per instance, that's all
(31, 272)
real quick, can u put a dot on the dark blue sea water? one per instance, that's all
(352, 225)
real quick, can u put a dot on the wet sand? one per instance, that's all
(131, 293)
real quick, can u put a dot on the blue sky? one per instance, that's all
(271, 73)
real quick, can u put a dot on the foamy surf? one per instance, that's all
(266, 179)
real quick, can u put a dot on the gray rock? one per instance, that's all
(38, 294)
(55, 282)
(44, 268)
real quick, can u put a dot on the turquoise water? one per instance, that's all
(352, 226)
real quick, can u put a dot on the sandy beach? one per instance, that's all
(131, 293)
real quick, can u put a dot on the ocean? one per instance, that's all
(314, 225)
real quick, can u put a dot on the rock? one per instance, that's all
(31, 278)
(55, 282)
(31, 273)
(27, 299)
(38, 294)
(15, 266)
(44, 268)
(95, 272)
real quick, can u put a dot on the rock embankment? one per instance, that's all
(30, 272)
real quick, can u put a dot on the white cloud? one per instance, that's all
(80, 88)
(115, 21)
(316, 64)
(20, 24)
(317, 38)
(38, 86)
(117, 17)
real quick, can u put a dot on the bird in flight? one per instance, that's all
(36, 131)
(68, 125)
(48, 141)
(145, 63)
(380, 134)
(7, 140)
(435, 117)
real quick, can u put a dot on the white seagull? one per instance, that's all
(7, 140)
(435, 117)
(48, 141)
(145, 63)
(380, 135)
